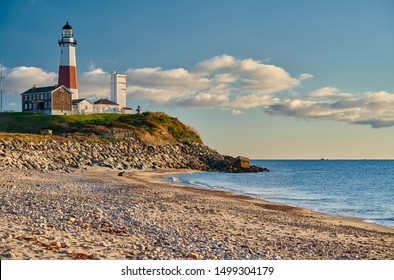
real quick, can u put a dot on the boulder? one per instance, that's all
(241, 162)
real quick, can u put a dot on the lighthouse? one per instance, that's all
(68, 64)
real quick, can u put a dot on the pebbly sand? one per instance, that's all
(95, 214)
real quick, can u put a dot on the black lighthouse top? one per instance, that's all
(67, 26)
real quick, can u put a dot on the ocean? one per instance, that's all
(352, 188)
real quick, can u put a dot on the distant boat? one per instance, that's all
(324, 159)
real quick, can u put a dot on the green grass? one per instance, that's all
(150, 127)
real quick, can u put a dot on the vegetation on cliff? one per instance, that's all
(149, 127)
(151, 140)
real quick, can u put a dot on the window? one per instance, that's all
(42, 96)
(25, 106)
(30, 106)
(29, 97)
(25, 97)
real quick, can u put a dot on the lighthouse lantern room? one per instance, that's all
(68, 64)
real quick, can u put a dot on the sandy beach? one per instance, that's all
(93, 213)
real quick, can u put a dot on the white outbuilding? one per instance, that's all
(82, 107)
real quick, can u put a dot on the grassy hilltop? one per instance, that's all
(150, 127)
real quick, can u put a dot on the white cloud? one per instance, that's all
(218, 81)
(247, 74)
(305, 76)
(217, 63)
(163, 85)
(235, 112)
(203, 100)
(330, 93)
(22, 78)
(252, 101)
(324, 92)
(373, 108)
(94, 84)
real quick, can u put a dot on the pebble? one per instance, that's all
(7, 255)
(65, 245)
(56, 244)
(193, 256)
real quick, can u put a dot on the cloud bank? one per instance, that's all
(229, 83)
(222, 81)
(373, 108)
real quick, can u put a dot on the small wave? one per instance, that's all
(391, 219)
(198, 184)
(285, 199)
(384, 222)
(174, 179)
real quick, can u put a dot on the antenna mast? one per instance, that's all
(1, 86)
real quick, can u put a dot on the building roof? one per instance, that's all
(76, 101)
(44, 89)
(105, 102)
(67, 26)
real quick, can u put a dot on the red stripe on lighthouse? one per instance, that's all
(68, 77)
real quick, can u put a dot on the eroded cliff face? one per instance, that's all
(48, 154)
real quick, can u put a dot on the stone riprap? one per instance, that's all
(51, 155)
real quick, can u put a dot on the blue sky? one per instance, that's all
(264, 79)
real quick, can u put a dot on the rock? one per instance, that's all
(7, 255)
(56, 244)
(65, 245)
(149, 248)
(193, 256)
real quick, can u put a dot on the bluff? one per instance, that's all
(152, 128)
(154, 140)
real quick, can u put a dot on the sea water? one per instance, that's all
(353, 188)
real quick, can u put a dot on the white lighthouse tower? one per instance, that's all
(68, 63)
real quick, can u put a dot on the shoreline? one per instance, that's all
(362, 222)
(354, 221)
(93, 213)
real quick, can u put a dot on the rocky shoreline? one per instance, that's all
(54, 155)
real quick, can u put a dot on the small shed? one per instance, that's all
(127, 110)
